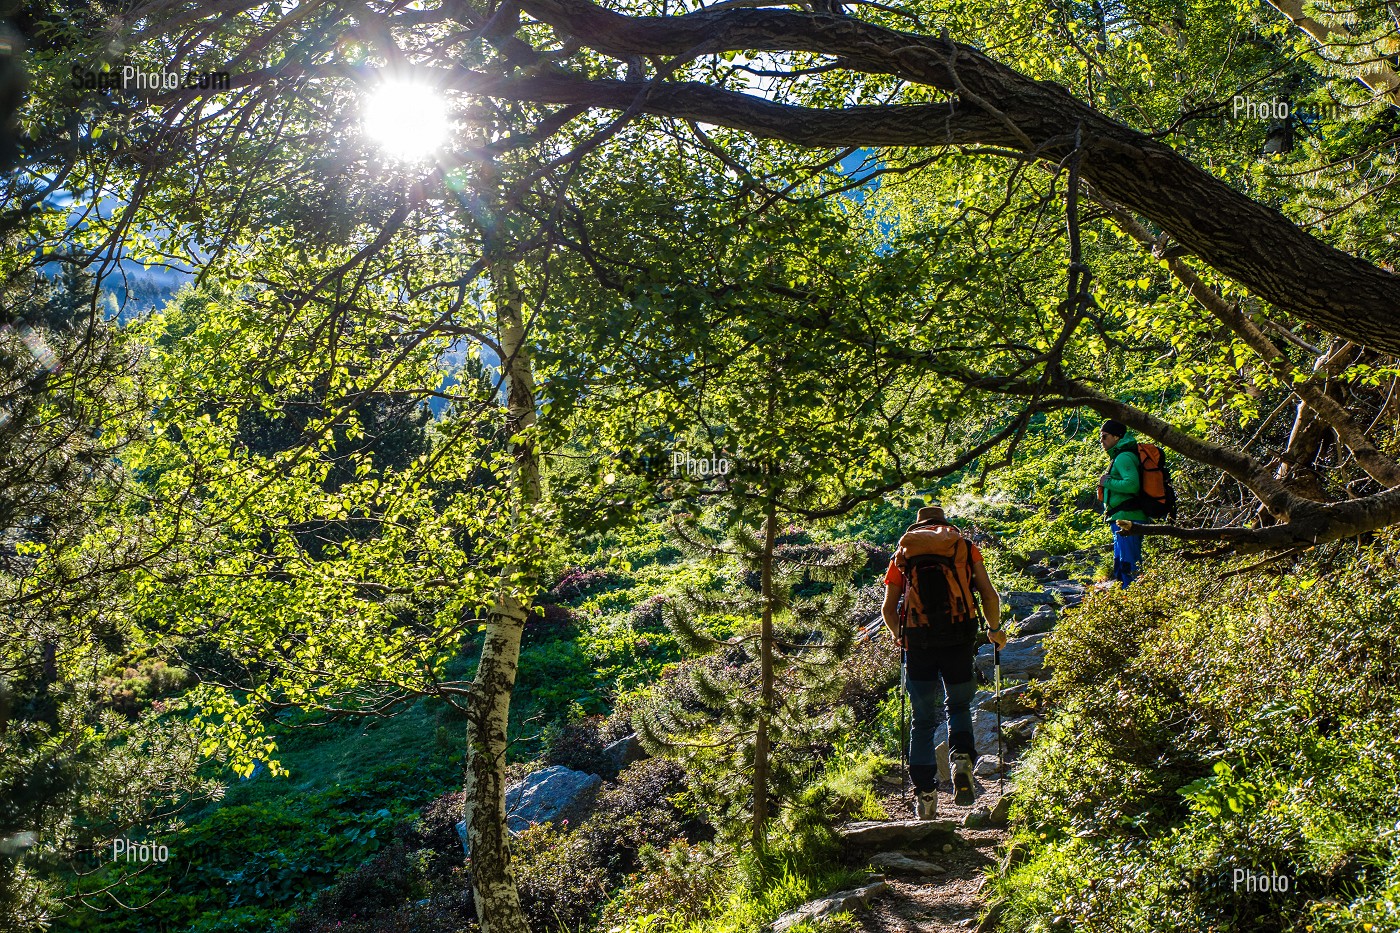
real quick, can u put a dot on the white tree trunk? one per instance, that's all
(488, 705)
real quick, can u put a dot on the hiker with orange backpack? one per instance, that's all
(932, 588)
(1137, 486)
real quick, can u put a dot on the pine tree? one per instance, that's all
(743, 752)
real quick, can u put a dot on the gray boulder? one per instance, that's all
(1069, 593)
(1001, 811)
(1021, 730)
(556, 793)
(899, 862)
(887, 834)
(1024, 602)
(940, 757)
(625, 751)
(1013, 701)
(1042, 620)
(984, 731)
(1021, 659)
(977, 818)
(984, 734)
(986, 766)
(840, 902)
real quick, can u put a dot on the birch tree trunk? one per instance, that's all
(488, 703)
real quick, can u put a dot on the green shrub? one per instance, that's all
(380, 884)
(561, 883)
(867, 675)
(565, 876)
(844, 790)
(704, 889)
(433, 916)
(1208, 726)
(549, 621)
(679, 882)
(132, 689)
(1059, 531)
(576, 582)
(261, 861)
(435, 827)
(648, 615)
(554, 676)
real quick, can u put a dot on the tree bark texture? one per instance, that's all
(488, 705)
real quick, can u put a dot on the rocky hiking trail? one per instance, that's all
(949, 901)
(926, 876)
(932, 876)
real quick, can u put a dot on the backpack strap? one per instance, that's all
(903, 566)
(965, 581)
(1128, 504)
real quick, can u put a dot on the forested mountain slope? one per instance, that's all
(550, 388)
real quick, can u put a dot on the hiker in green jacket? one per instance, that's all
(1118, 487)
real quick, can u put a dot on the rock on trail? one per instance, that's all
(839, 902)
(894, 834)
(1021, 659)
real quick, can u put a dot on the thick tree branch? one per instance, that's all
(1302, 522)
(1255, 475)
(1313, 524)
(874, 125)
(1281, 502)
(992, 104)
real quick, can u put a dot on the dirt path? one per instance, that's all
(938, 903)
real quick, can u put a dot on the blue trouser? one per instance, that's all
(1127, 555)
(949, 689)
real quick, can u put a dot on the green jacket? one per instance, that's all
(1124, 480)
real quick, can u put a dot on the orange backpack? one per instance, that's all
(936, 562)
(1157, 497)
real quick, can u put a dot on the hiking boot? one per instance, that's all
(963, 793)
(926, 803)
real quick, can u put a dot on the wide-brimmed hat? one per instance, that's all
(930, 515)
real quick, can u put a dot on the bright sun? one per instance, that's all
(407, 120)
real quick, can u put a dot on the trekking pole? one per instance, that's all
(904, 738)
(903, 728)
(996, 675)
